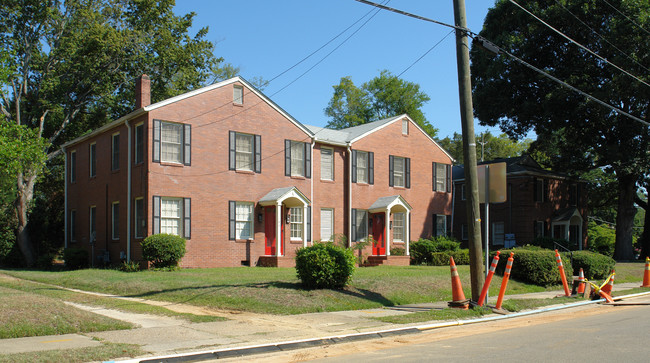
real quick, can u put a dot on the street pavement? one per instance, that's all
(164, 336)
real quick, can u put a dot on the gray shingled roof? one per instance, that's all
(384, 202)
(275, 194)
(346, 135)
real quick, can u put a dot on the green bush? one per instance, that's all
(75, 258)
(163, 250)
(535, 266)
(601, 239)
(594, 265)
(550, 243)
(324, 266)
(461, 257)
(129, 266)
(422, 250)
(398, 251)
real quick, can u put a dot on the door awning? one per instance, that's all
(565, 215)
(384, 203)
(291, 196)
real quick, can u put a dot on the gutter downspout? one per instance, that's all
(349, 195)
(128, 195)
(311, 217)
(65, 193)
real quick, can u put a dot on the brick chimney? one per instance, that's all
(142, 91)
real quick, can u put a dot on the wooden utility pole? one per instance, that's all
(469, 151)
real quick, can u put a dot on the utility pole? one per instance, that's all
(469, 151)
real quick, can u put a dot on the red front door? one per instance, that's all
(269, 231)
(378, 231)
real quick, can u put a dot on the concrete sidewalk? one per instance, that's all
(242, 330)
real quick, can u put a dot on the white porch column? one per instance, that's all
(304, 226)
(407, 228)
(580, 236)
(387, 232)
(567, 228)
(278, 228)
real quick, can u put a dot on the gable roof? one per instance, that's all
(519, 165)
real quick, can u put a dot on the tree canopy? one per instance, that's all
(70, 66)
(575, 132)
(383, 96)
(488, 146)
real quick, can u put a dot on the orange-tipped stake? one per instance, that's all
(646, 273)
(558, 259)
(458, 296)
(504, 283)
(488, 279)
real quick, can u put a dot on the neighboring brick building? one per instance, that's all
(540, 203)
(247, 184)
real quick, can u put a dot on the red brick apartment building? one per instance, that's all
(540, 203)
(247, 184)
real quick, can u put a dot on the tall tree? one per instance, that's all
(72, 65)
(383, 96)
(488, 146)
(584, 134)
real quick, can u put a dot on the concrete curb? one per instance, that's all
(310, 343)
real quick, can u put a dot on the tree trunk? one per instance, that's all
(625, 217)
(21, 205)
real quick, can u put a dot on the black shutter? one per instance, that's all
(353, 232)
(535, 199)
(407, 172)
(156, 214)
(448, 226)
(433, 173)
(371, 168)
(258, 154)
(232, 211)
(354, 166)
(448, 178)
(391, 171)
(156, 141)
(187, 144)
(232, 147)
(545, 191)
(287, 157)
(309, 223)
(307, 160)
(187, 218)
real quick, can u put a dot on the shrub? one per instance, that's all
(461, 257)
(421, 250)
(324, 266)
(75, 258)
(534, 266)
(594, 265)
(601, 239)
(129, 266)
(398, 251)
(163, 250)
(550, 243)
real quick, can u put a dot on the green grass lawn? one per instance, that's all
(278, 290)
(106, 351)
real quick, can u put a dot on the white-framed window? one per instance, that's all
(171, 213)
(171, 142)
(244, 151)
(73, 225)
(462, 192)
(498, 233)
(398, 227)
(441, 225)
(73, 166)
(326, 164)
(92, 221)
(573, 194)
(139, 143)
(296, 222)
(441, 177)
(361, 225)
(405, 127)
(93, 159)
(539, 229)
(399, 171)
(244, 220)
(297, 158)
(115, 152)
(326, 224)
(238, 95)
(140, 218)
(463, 232)
(362, 167)
(115, 220)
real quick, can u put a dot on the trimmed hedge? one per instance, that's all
(324, 266)
(594, 265)
(163, 250)
(535, 266)
(422, 250)
(461, 257)
(75, 258)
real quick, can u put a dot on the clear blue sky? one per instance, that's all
(264, 38)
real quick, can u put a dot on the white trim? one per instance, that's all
(65, 199)
(129, 165)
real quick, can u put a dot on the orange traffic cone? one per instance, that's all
(581, 282)
(646, 273)
(608, 285)
(458, 295)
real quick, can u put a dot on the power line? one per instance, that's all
(425, 53)
(415, 16)
(626, 17)
(602, 37)
(578, 44)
